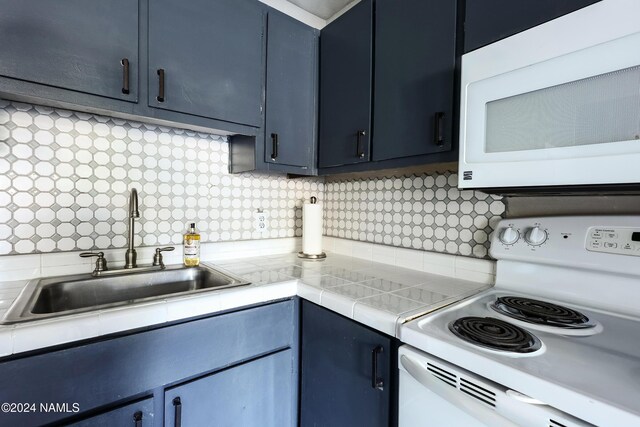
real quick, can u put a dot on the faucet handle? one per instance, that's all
(157, 258)
(101, 262)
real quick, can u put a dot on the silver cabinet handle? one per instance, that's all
(359, 148)
(125, 75)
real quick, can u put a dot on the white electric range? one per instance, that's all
(555, 343)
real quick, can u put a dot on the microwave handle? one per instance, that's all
(438, 134)
(452, 395)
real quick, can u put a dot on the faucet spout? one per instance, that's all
(134, 212)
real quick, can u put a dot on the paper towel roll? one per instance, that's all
(312, 229)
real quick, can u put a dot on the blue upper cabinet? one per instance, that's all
(292, 69)
(288, 141)
(387, 86)
(206, 58)
(83, 46)
(345, 88)
(491, 20)
(414, 78)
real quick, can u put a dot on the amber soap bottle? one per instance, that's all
(191, 247)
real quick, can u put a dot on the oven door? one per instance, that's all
(426, 401)
(547, 108)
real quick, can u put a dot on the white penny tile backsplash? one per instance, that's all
(425, 212)
(65, 179)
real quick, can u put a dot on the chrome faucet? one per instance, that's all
(130, 256)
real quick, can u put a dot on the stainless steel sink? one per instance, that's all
(61, 296)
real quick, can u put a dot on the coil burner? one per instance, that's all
(541, 312)
(495, 334)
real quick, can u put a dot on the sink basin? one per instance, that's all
(59, 296)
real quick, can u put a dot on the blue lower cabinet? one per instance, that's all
(138, 414)
(255, 393)
(348, 375)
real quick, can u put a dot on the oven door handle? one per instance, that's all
(453, 395)
(523, 397)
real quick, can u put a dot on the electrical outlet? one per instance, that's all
(260, 221)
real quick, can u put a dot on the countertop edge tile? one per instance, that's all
(380, 320)
(51, 332)
(339, 303)
(132, 317)
(191, 306)
(309, 292)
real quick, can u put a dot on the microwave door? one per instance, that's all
(568, 120)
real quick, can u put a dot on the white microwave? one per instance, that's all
(555, 106)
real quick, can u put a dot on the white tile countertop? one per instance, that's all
(381, 296)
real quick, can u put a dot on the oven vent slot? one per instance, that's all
(480, 393)
(554, 423)
(443, 375)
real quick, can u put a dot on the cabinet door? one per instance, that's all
(206, 58)
(339, 359)
(256, 393)
(414, 77)
(138, 414)
(491, 20)
(139, 362)
(292, 53)
(345, 87)
(72, 44)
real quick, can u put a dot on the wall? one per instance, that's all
(419, 211)
(65, 179)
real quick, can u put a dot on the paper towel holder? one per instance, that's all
(320, 256)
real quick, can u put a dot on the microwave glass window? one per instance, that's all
(600, 109)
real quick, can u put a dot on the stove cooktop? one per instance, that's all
(557, 365)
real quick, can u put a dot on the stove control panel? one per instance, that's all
(593, 243)
(614, 240)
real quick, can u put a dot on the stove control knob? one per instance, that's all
(509, 236)
(536, 236)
